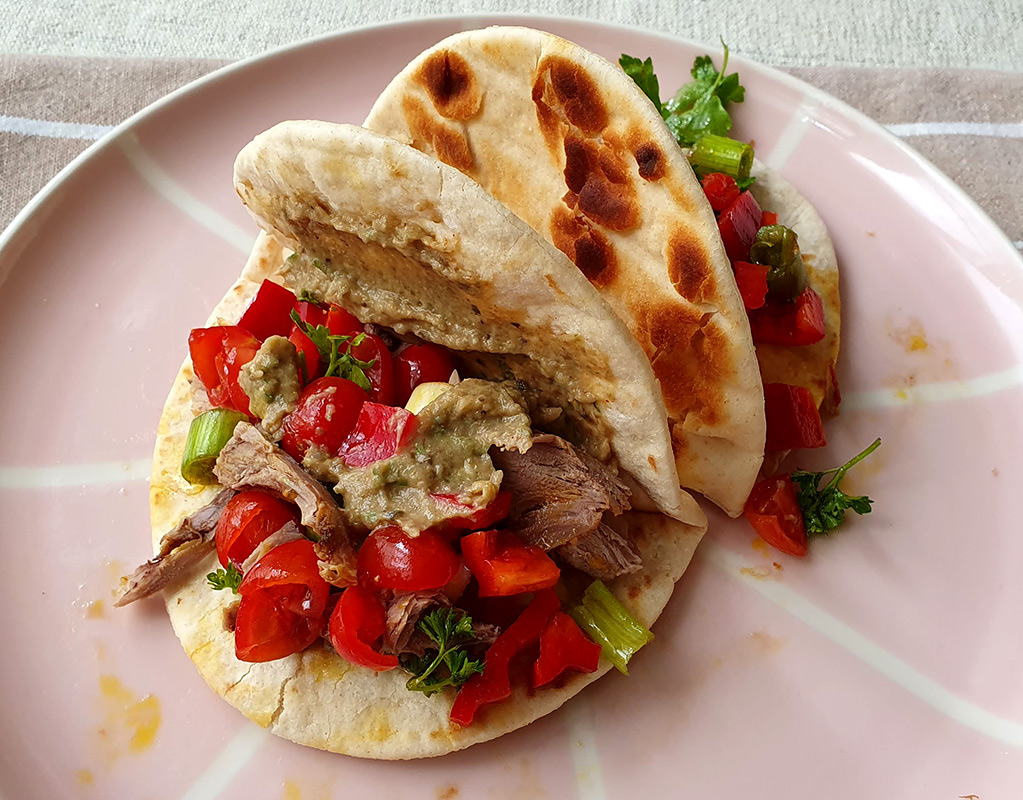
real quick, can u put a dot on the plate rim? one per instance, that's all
(871, 126)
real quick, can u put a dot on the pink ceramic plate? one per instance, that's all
(887, 663)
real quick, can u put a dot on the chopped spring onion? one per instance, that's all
(207, 435)
(606, 622)
(720, 154)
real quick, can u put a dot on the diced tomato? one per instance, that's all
(308, 353)
(503, 564)
(752, 282)
(773, 510)
(793, 421)
(248, 518)
(738, 225)
(269, 314)
(485, 517)
(391, 559)
(283, 604)
(218, 355)
(494, 683)
(794, 324)
(721, 190)
(380, 431)
(341, 323)
(311, 313)
(564, 646)
(420, 363)
(381, 374)
(768, 218)
(325, 415)
(356, 628)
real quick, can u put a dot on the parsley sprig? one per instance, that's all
(824, 507)
(339, 364)
(229, 578)
(449, 628)
(698, 108)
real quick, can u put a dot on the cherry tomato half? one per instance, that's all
(379, 433)
(325, 414)
(420, 363)
(503, 564)
(249, 518)
(218, 355)
(356, 628)
(341, 323)
(283, 604)
(391, 559)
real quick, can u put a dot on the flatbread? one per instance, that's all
(569, 143)
(315, 182)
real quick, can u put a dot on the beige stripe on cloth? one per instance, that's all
(102, 92)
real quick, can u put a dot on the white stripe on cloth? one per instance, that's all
(1001, 130)
(53, 130)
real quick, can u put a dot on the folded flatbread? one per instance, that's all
(404, 241)
(569, 143)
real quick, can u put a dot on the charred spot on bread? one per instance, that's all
(429, 133)
(689, 266)
(650, 161)
(451, 85)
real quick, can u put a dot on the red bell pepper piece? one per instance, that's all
(482, 518)
(269, 314)
(563, 646)
(738, 225)
(311, 313)
(381, 374)
(773, 510)
(752, 282)
(721, 190)
(794, 324)
(218, 355)
(283, 604)
(503, 564)
(494, 683)
(308, 352)
(357, 624)
(379, 433)
(768, 218)
(793, 421)
(341, 323)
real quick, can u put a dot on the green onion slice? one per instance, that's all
(606, 622)
(207, 435)
(713, 153)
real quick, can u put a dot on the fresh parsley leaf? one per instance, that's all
(339, 364)
(449, 628)
(642, 72)
(824, 507)
(698, 108)
(305, 296)
(228, 578)
(745, 183)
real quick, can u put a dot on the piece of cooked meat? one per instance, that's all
(602, 553)
(403, 612)
(558, 492)
(249, 460)
(181, 549)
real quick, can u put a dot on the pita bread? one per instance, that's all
(569, 143)
(359, 205)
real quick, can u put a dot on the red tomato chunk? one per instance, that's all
(249, 518)
(391, 559)
(283, 604)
